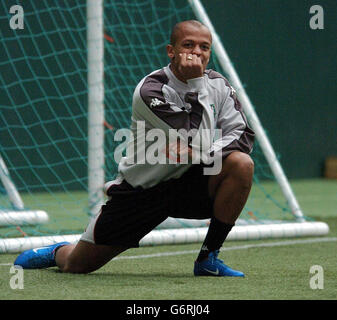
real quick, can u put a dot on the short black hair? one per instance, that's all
(177, 26)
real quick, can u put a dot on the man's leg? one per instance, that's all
(231, 187)
(85, 257)
(230, 190)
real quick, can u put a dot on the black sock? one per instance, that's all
(216, 235)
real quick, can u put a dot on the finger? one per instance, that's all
(198, 63)
(183, 60)
(183, 57)
(190, 57)
(196, 59)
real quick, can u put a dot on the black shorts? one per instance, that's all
(131, 213)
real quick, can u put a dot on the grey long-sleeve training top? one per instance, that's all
(163, 105)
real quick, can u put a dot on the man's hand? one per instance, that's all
(190, 66)
(181, 153)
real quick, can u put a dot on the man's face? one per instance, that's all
(191, 39)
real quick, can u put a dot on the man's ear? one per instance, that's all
(170, 51)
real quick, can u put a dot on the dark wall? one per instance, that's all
(290, 74)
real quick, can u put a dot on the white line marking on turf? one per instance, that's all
(247, 246)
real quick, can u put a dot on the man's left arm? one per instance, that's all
(235, 133)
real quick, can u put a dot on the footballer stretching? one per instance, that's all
(187, 98)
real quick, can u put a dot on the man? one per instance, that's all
(182, 95)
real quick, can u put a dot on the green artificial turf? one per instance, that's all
(279, 271)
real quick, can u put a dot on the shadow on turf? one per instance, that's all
(111, 275)
(129, 275)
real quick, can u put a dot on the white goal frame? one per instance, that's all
(17, 215)
(172, 234)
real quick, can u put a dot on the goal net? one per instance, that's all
(66, 82)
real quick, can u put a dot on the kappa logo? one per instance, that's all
(155, 102)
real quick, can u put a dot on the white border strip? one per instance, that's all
(248, 246)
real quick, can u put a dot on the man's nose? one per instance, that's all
(197, 50)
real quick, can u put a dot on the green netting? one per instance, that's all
(43, 103)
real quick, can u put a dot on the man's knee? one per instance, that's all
(239, 164)
(88, 257)
(75, 268)
(238, 167)
(78, 266)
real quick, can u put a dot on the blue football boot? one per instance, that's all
(39, 258)
(213, 266)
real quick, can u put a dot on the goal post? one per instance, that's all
(16, 215)
(248, 108)
(95, 56)
(66, 85)
(13, 194)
